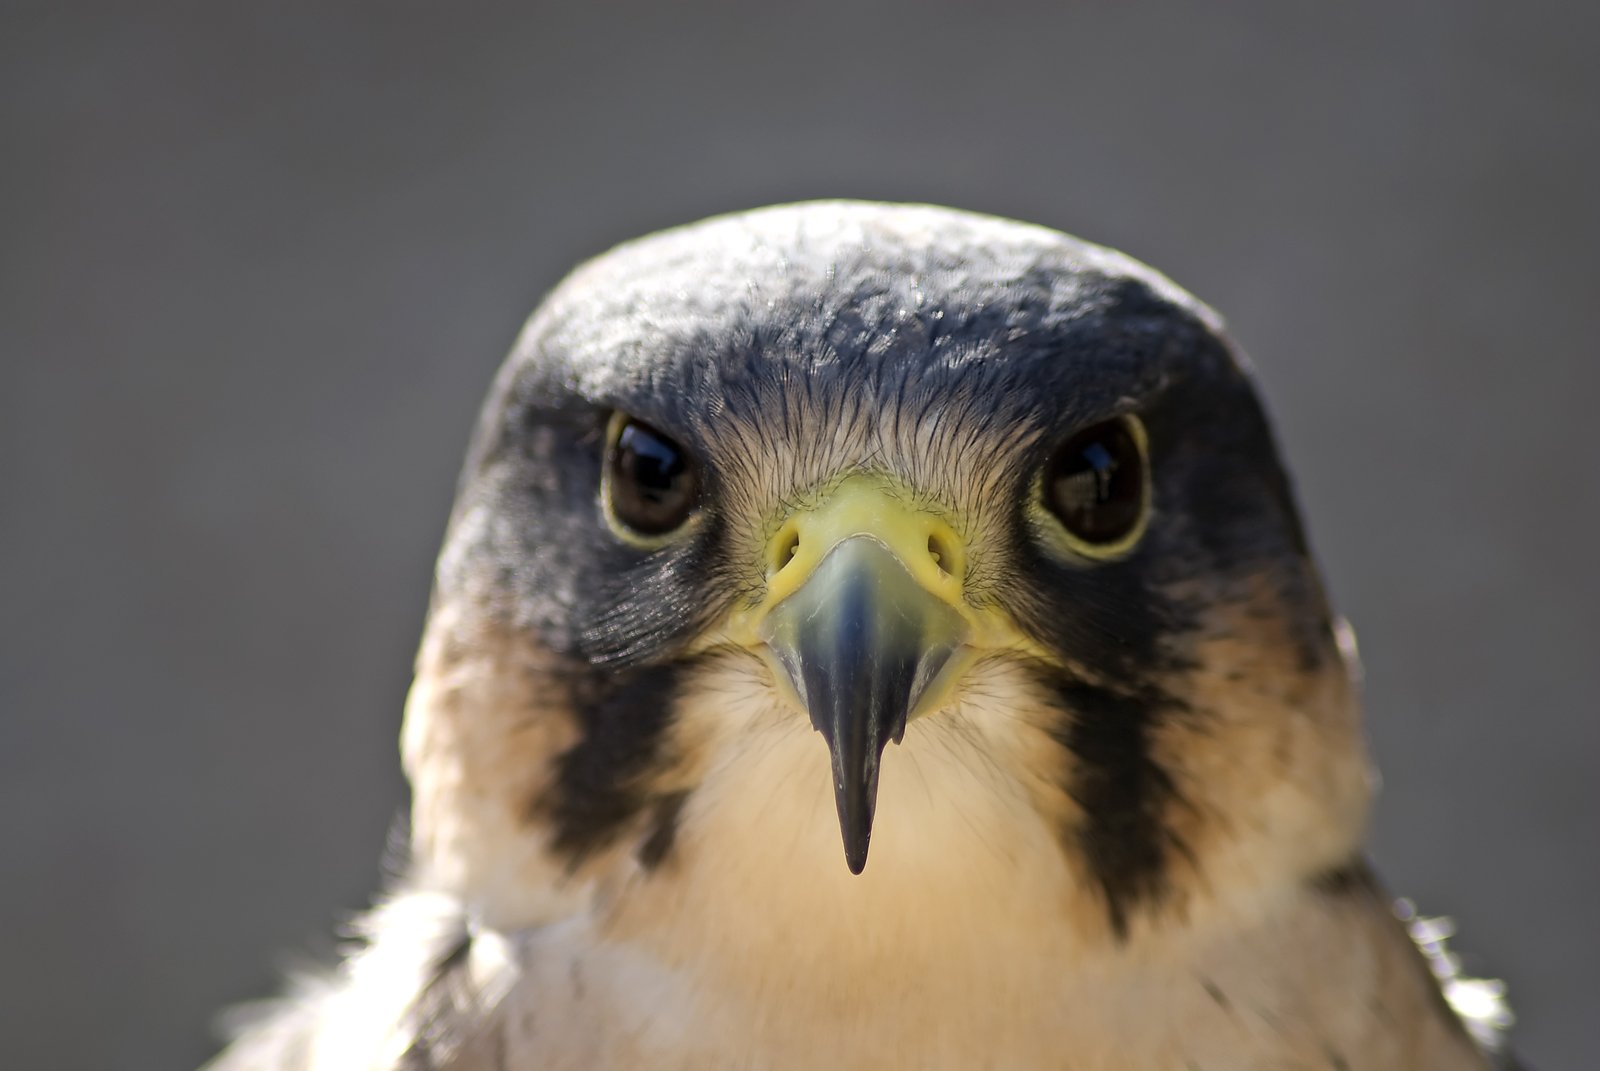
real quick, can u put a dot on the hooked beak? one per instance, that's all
(864, 620)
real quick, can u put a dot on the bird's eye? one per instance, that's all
(650, 487)
(1098, 486)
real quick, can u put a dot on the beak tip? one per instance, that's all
(855, 822)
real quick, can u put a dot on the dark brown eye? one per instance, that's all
(650, 481)
(1096, 484)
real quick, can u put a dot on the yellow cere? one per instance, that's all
(921, 541)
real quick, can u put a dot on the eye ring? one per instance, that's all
(1096, 488)
(649, 484)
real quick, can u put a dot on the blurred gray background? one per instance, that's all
(259, 264)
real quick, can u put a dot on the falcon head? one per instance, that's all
(756, 499)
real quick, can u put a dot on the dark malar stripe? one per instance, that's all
(1122, 791)
(600, 783)
(656, 847)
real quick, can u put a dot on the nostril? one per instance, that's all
(784, 548)
(941, 555)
